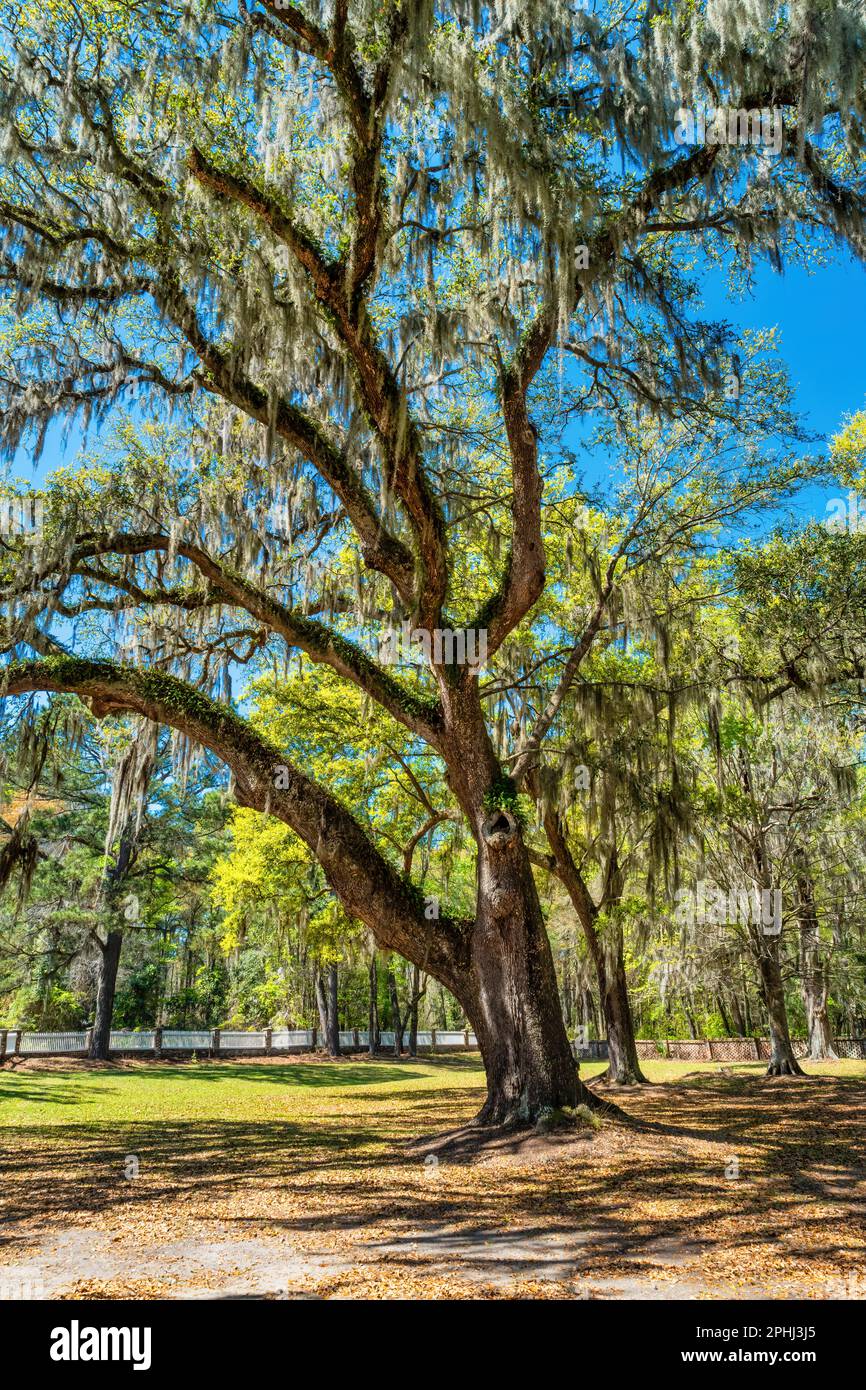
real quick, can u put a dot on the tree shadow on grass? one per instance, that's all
(29, 1089)
(31, 1086)
(332, 1075)
(518, 1222)
(765, 1110)
(641, 1198)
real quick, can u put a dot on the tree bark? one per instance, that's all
(690, 1018)
(590, 1012)
(723, 1014)
(567, 995)
(443, 1012)
(747, 1011)
(513, 1003)
(322, 1006)
(737, 1016)
(607, 956)
(623, 1066)
(326, 1001)
(110, 949)
(109, 963)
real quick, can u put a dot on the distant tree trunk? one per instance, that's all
(333, 1013)
(568, 995)
(726, 1023)
(590, 1011)
(814, 975)
(443, 1011)
(737, 1016)
(108, 967)
(766, 949)
(690, 1019)
(747, 1011)
(623, 1065)
(110, 948)
(782, 1059)
(608, 957)
(373, 1022)
(582, 1009)
(322, 1006)
(413, 1012)
(326, 1000)
(396, 1018)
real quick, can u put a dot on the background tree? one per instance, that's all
(67, 918)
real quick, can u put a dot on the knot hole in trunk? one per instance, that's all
(499, 828)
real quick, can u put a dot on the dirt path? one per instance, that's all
(72, 1263)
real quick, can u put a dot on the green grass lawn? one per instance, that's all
(663, 1070)
(140, 1093)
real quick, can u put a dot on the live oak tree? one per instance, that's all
(369, 229)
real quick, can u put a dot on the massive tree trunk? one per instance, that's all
(782, 1059)
(108, 966)
(513, 1000)
(814, 976)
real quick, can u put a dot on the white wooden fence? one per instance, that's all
(158, 1041)
(737, 1049)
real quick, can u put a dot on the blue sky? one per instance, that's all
(821, 315)
(822, 318)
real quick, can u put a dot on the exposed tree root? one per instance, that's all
(633, 1079)
(785, 1068)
